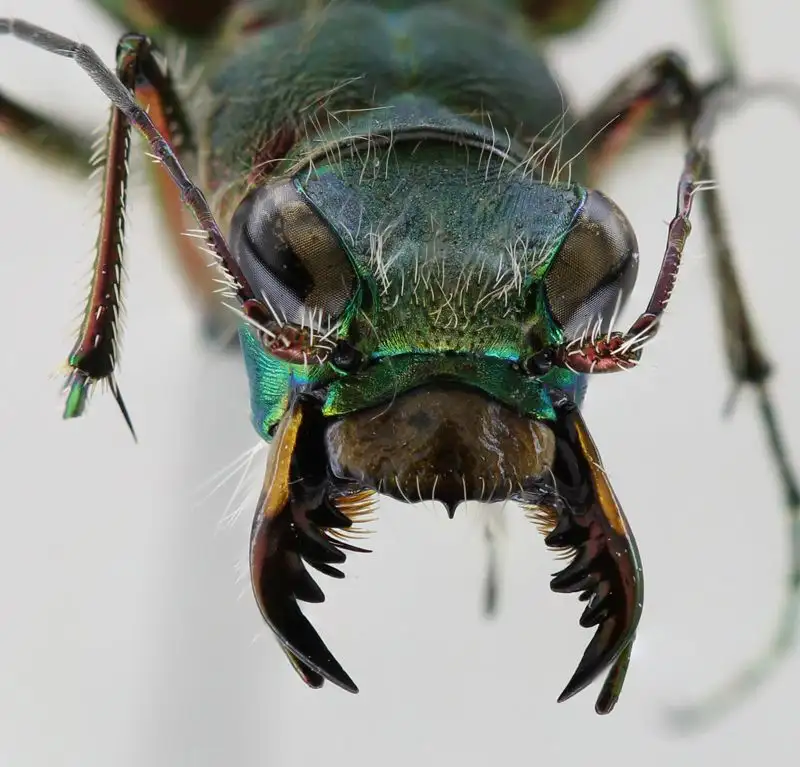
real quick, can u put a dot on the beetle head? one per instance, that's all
(400, 350)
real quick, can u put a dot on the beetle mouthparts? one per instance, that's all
(301, 520)
(605, 569)
(440, 443)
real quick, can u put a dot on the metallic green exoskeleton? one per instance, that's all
(404, 212)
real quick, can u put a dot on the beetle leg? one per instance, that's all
(94, 355)
(662, 95)
(43, 137)
(296, 520)
(581, 517)
(661, 91)
(659, 96)
(154, 90)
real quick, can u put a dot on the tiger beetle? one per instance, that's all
(423, 273)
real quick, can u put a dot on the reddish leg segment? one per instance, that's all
(94, 355)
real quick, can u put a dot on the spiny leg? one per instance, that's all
(153, 88)
(44, 138)
(657, 97)
(94, 355)
(59, 144)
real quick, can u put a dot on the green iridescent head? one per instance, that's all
(420, 267)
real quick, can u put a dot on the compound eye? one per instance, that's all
(596, 267)
(292, 260)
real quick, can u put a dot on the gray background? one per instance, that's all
(128, 635)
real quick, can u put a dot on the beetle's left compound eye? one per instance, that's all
(596, 267)
(291, 259)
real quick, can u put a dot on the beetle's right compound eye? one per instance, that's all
(595, 268)
(291, 259)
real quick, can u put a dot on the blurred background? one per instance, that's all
(129, 635)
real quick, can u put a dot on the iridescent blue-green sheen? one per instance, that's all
(272, 381)
(390, 376)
